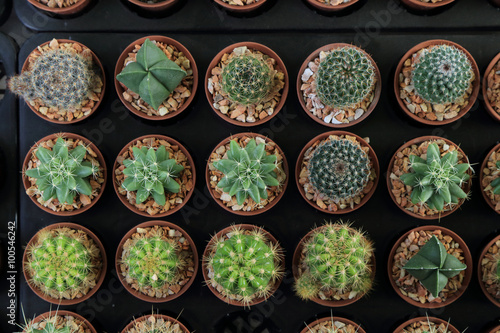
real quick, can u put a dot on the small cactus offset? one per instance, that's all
(339, 169)
(495, 183)
(246, 79)
(247, 171)
(151, 173)
(62, 173)
(442, 74)
(436, 181)
(337, 258)
(433, 266)
(345, 77)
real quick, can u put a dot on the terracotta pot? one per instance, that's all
(496, 328)
(74, 9)
(307, 329)
(435, 320)
(484, 87)
(102, 274)
(240, 9)
(204, 269)
(257, 211)
(333, 303)
(120, 88)
(417, 141)
(139, 295)
(124, 200)
(96, 62)
(468, 271)
(481, 177)
(157, 316)
(480, 273)
(314, 55)
(154, 7)
(425, 6)
(475, 83)
(63, 313)
(100, 158)
(279, 65)
(371, 154)
(329, 8)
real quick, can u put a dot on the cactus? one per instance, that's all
(60, 79)
(339, 169)
(337, 258)
(153, 75)
(247, 171)
(442, 74)
(151, 173)
(62, 174)
(245, 265)
(436, 181)
(495, 183)
(246, 79)
(433, 266)
(51, 328)
(344, 77)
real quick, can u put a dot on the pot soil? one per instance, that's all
(331, 5)
(249, 207)
(491, 88)
(425, 5)
(154, 5)
(82, 202)
(324, 204)
(150, 322)
(328, 324)
(63, 319)
(240, 6)
(488, 173)
(179, 99)
(68, 7)
(425, 324)
(408, 287)
(487, 271)
(186, 179)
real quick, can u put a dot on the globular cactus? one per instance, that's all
(437, 180)
(337, 258)
(339, 169)
(246, 79)
(62, 174)
(61, 79)
(442, 74)
(344, 77)
(50, 328)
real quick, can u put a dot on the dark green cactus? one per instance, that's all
(433, 266)
(153, 76)
(495, 183)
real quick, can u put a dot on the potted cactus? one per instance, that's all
(246, 84)
(156, 77)
(58, 322)
(240, 6)
(331, 5)
(429, 177)
(491, 88)
(64, 263)
(243, 265)
(50, 92)
(436, 82)
(155, 323)
(489, 271)
(63, 7)
(489, 178)
(334, 265)
(426, 325)
(64, 174)
(251, 190)
(168, 183)
(347, 161)
(339, 85)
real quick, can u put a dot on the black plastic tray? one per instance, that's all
(367, 19)
(5, 8)
(112, 126)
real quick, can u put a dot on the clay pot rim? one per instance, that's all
(435, 320)
(419, 5)
(166, 40)
(332, 318)
(467, 274)
(417, 141)
(154, 6)
(138, 294)
(490, 297)
(324, 136)
(171, 141)
(481, 174)
(155, 315)
(240, 9)
(484, 88)
(494, 329)
(100, 157)
(102, 274)
(64, 313)
(204, 265)
(95, 61)
(376, 91)
(475, 83)
(330, 8)
(279, 65)
(73, 9)
(270, 204)
(317, 300)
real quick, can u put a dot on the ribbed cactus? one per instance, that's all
(339, 169)
(433, 266)
(495, 183)
(337, 258)
(436, 181)
(62, 173)
(151, 172)
(246, 79)
(442, 74)
(59, 78)
(344, 77)
(247, 171)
